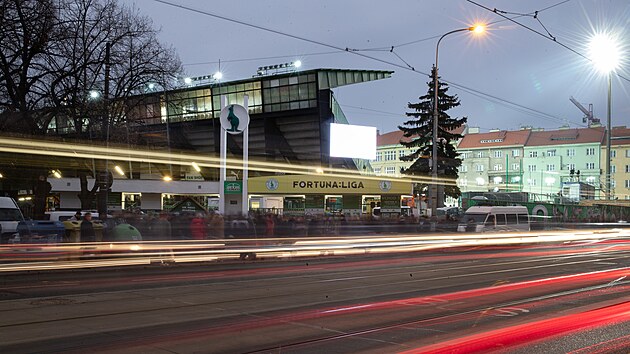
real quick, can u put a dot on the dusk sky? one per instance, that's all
(509, 62)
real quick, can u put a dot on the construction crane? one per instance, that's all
(588, 113)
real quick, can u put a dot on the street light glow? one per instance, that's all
(218, 75)
(187, 80)
(297, 63)
(119, 170)
(167, 178)
(196, 167)
(478, 29)
(605, 53)
(94, 94)
(56, 173)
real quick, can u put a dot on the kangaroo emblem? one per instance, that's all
(233, 119)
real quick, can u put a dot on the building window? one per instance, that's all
(551, 167)
(551, 152)
(480, 154)
(628, 153)
(590, 151)
(497, 167)
(571, 166)
(516, 153)
(463, 168)
(570, 152)
(613, 183)
(390, 155)
(401, 153)
(628, 183)
(590, 165)
(479, 168)
(296, 92)
(590, 179)
(463, 182)
(378, 156)
(627, 168)
(466, 155)
(531, 168)
(498, 153)
(390, 170)
(613, 169)
(480, 181)
(533, 154)
(377, 171)
(613, 153)
(515, 167)
(531, 182)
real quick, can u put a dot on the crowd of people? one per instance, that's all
(164, 226)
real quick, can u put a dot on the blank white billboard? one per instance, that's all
(354, 141)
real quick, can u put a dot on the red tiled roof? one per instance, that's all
(620, 136)
(394, 138)
(566, 136)
(492, 139)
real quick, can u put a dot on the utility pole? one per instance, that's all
(104, 177)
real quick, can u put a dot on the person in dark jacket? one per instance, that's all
(87, 229)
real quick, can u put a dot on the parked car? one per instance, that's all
(10, 217)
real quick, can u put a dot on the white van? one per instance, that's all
(10, 216)
(495, 219)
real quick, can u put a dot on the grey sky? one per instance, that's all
(509, 62)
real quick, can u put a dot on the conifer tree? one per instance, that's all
(418, 132)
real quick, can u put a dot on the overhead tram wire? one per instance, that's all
(355, 52)
(549, 37)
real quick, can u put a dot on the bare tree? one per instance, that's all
(78, 66)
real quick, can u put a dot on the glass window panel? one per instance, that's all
(257, 84)
(207, 92)
(294, 93)
(274, 83)
(303, 104)
(232, 98)
(303, 91)
(312, 90)
(275, 107)
(240, 87)
(284, 94)
(249, 85)
(303, 79)
(295, 105)
(284, 81)
(201, 104)
(312, 103)
(274, 95)
(240, 98)
(266, 83)
(285, 106)
(293, 80)
(348, 77)
(311, 77)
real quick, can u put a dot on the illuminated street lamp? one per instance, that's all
(477, 29)
(606, 56)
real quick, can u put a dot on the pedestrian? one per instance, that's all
(198, 227)
(77, 216)
(161, 227)
(217, 226)
(87, 229)
(269, 226)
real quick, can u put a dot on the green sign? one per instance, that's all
(314, 204)
(233, 187)
(390, 203)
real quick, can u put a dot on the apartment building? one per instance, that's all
(492, 161)
(619, 163)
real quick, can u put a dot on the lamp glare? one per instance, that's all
(604, 52)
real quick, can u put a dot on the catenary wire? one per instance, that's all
(355, 52)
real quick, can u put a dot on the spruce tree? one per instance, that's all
(419, 133)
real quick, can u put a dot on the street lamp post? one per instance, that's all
(606, 55)
(434, 158)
